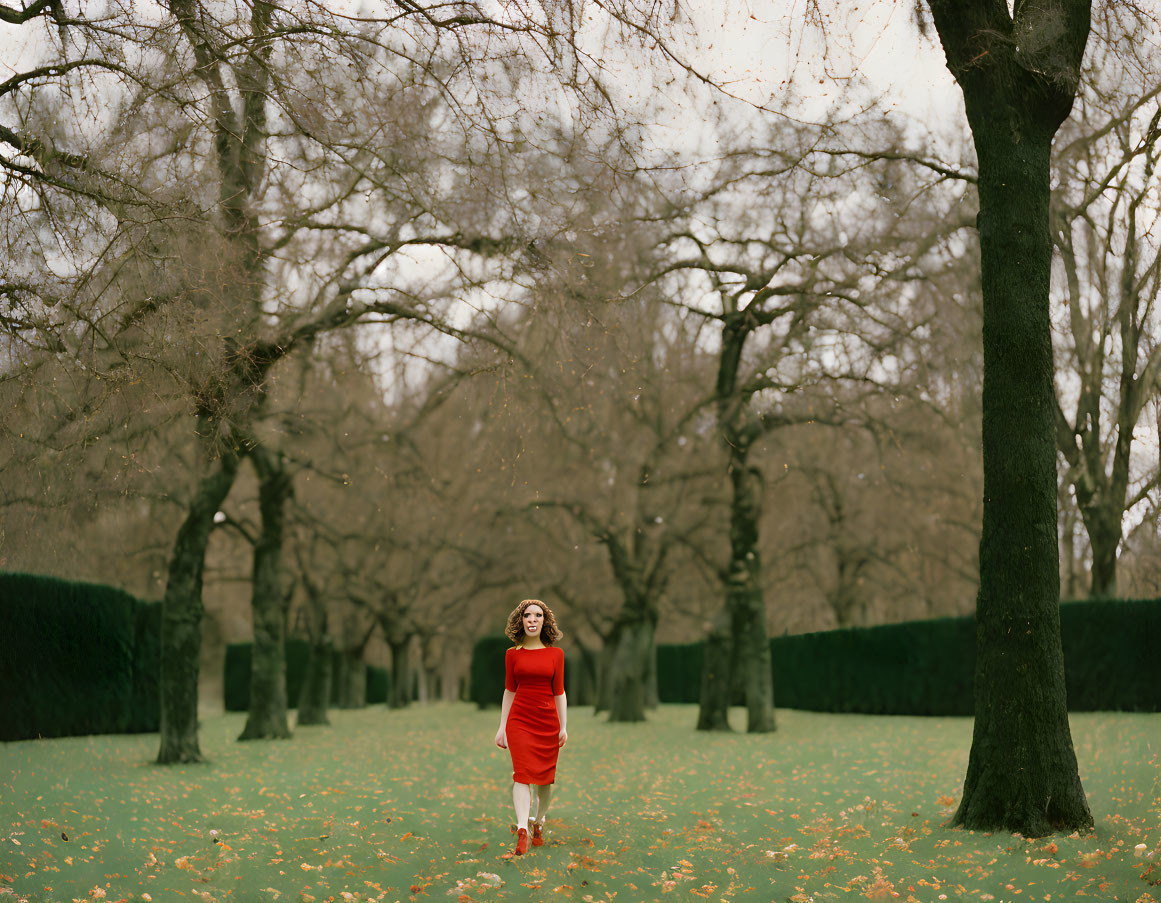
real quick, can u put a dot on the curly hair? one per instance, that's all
(549, 633)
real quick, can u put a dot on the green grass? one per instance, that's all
(416, 805)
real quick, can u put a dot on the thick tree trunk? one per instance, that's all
(1019, 80)
(629, 669)
(399, 693)
(315, 697)
(351, 680)
(1022, 772)
(717, 673)
(753, 650)
(1104, 536)
(181, 619)
(314, 700)
(434, 681)
(604, 688)
(1070, 580)
(652, 695)
(268, 604)
(586, 680)
(746, 648)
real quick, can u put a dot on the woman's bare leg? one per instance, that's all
(543, 798)
(522, 802)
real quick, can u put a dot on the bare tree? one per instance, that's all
(1103, 214)
(797, 288)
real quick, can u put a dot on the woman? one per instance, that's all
(533, 715)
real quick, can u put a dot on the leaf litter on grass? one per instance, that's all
(416, 804)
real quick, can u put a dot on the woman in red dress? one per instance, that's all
(533, 715)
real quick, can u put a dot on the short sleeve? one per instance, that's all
(558, 673)
(510, 670)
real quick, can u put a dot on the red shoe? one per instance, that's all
(537, 837)
(521, 842)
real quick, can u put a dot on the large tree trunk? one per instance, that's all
(315, 697)
(351, 680)
(604, 668)
(753, 649)
(268, 603)
(1022, 774)
(1070, 577)
(629, 667)
(314, 700)
(652, 694)
(738, 645)
(1103, 525)
(181, 618)
(717, 673)
(399, 693)
(586, 680)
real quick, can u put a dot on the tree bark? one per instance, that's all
(753, 649)
(586, 682)
(316, 685)
(267, 716)
(629, 667)
(181, 616)
(399, 693)
(628, 682)
(1103, 525)
(351, 680)
(652, 694)
(604, 667)
(744, 651)
(717, 673)
(1070, 580)
(1018, 80)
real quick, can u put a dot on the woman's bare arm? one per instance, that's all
(562, 714)
(505, 708)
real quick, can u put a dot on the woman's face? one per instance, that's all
(533, 620)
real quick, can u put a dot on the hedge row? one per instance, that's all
(914, 668)
(237, 675)
(927, 667)
(486, 672)
(76, 658)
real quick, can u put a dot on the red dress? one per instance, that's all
(536, 676)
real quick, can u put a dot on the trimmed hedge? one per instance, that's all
(145, 707)
(378, 684)
(486, 672)
(76, 658)
(237, 675)
(915, 668)
(679, 672)
(927, 667)
(486, 675)
(1112, 654)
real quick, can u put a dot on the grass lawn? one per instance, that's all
(415, 805)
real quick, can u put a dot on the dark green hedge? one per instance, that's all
(378, 684)
(145, 706)
(75, 658)
(927, 667)
(486, 675)
(679, 672)
(237, 675)
(1111, 654)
